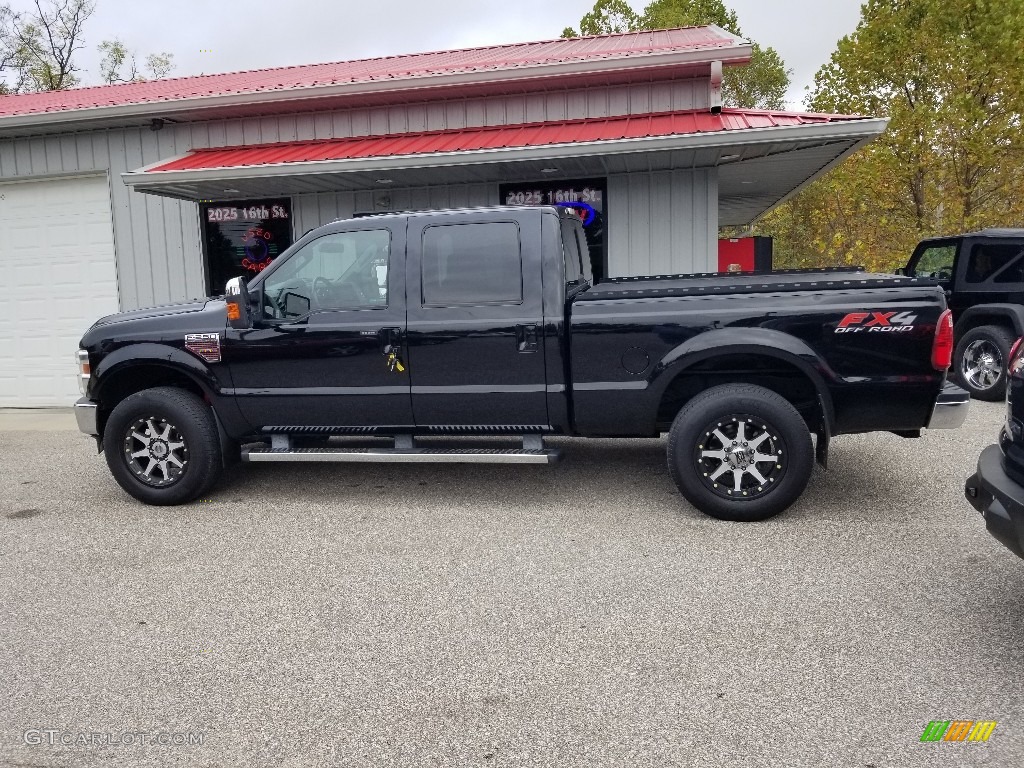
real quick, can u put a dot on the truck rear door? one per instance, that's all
(475, 319)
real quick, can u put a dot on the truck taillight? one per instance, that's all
(942, 346)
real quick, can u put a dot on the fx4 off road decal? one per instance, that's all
(876, 322)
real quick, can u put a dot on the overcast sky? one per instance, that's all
(227, 35)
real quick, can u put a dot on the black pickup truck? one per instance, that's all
(368, 337)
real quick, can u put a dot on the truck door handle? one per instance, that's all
(390, 339)
(526, 338)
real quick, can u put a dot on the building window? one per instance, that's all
(243, 238)
(586, 198)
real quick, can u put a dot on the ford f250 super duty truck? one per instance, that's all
(368, 336)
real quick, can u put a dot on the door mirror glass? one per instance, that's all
(239, 307)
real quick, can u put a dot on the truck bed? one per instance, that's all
(657, 286)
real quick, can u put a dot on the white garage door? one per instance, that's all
(57, 269)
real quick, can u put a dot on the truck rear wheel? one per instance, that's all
(162, 446)
(740, 452)
(980, 361)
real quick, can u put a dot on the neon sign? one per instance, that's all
(585, 211)
(257, 249)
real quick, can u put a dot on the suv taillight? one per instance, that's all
(1015, 361)
(942, 346)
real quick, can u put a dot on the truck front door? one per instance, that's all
(476, 319)
(318, 354)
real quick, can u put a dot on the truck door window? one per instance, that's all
(998, 262)
(343, 270)
(467, 264)
(936, 261)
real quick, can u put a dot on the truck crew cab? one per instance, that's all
(368, 336)
(983, 276)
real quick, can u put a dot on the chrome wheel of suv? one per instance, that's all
(982, 364)
(980, 361)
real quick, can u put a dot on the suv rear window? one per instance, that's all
(998, 262)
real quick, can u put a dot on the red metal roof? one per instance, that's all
(390, 68)
(494, 137)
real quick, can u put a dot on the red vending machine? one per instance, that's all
(745, 254)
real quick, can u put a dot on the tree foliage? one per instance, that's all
(39, 46)
(119, 65)
(38, 49)
(760, 84)
(947, 75)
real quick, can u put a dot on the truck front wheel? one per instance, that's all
(740, 452)
(162, 446)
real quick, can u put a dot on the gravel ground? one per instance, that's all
(581, 615)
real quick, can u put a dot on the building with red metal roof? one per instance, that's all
(134, 194)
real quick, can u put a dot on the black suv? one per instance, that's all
(997, 488)
(983, 275)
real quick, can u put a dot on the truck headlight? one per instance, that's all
(84, 371)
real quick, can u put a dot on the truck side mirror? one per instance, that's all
(900, 271)
(236, 295)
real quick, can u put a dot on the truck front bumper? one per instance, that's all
(85, 415)
(950, 409)
(999, 499)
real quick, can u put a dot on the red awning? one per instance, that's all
(493, 138)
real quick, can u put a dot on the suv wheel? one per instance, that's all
(980, 359)
(162, 446)
(740, 452)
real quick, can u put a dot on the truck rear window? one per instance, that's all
(472, 264)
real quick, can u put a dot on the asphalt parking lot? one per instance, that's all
(581, 615)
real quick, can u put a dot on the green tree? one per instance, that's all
(947, 75)
(38, 49)
(116, 56)
(762, 84)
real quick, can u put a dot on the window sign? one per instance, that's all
(243, 238)
(585, 198)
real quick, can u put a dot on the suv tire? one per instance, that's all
(162, 446)
(740, 452)
(980, 359)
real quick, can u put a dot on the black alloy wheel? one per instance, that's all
(162, 446)
(740, 452)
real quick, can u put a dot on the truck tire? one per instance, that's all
(162, 446)
(980, 361)
(740, 452)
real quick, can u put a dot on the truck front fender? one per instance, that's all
(150, 354)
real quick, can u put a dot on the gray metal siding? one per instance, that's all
(157, 240)
(662, 222)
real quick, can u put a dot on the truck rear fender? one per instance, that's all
(769, 358)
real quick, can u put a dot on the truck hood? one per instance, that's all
(195, 305)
